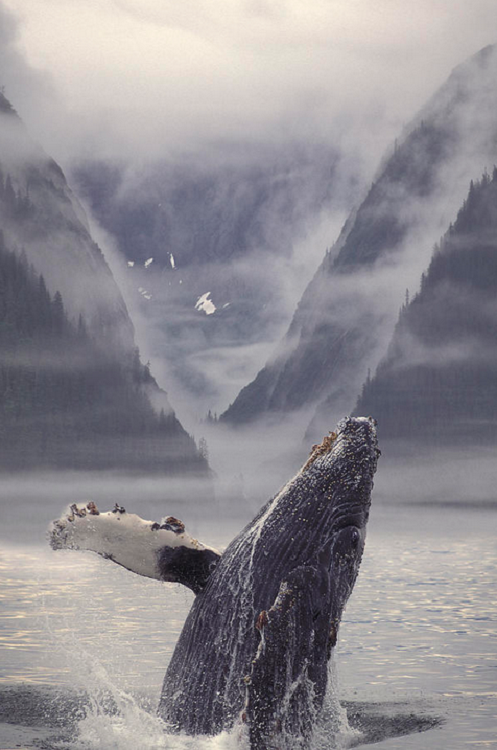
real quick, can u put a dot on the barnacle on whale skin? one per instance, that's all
(61, 530)
(321, 448)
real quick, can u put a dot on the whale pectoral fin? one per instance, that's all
(288, 679)
(163, 551)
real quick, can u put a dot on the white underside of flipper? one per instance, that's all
(125, 538)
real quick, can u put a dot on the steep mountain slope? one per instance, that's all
(66, 402)
(347, 312)
(73, 392)
(40, 213)
(438, 380)
(231, 224)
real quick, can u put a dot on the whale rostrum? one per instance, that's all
(255, 646)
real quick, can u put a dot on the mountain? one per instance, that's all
(226, 233)
(73, 392)
(40, 213)
(438, 381)
(347, 313)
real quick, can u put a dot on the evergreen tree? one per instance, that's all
(438, 379)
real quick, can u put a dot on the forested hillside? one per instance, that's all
(73, 391)
(40, 213)
(65, 401)
(348, 310)
(438, 381)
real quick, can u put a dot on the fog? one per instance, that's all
(31, 500)
(205, 359)
(461, 477)
(135, 82)
(153, 77)
(457, 478)
(422, 183)
(242, 136)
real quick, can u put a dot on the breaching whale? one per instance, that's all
(256, 643)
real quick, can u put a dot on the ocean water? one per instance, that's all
(84, 644)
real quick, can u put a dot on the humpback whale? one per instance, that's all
(256, 644)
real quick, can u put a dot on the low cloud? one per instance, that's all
(137, 80)
(150, 77)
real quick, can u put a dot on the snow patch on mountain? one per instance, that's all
(204, 304)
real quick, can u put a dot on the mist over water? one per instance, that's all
(29, 502)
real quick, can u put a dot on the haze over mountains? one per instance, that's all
(234, 235)
(73, 392)
(215, 255)
(437, 383)
(234, 239)
(49, 224)
(347, 313)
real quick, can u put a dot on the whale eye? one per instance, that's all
(354, 538)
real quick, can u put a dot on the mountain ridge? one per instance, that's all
(347, 312)
(54, 274)
(437, 381)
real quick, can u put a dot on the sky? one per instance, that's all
(150, 77)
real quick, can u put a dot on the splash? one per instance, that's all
(116, 719)
(333, 731)
(129, 725)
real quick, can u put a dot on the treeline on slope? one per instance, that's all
(67, 403)
(300, 374)
(341, 320)
(13, 203)
(438, 380)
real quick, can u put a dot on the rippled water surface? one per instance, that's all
(418, 638)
